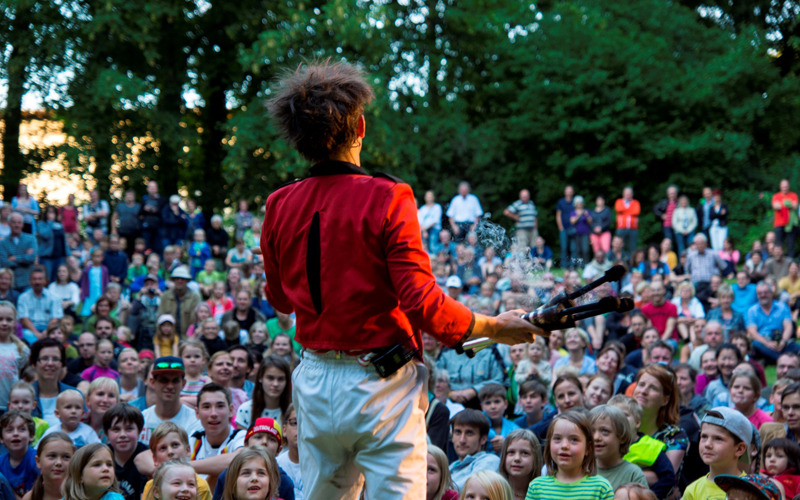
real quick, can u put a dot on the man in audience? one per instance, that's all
(769, 324)
(243, 364)
(784, 202)
(36, 307)
(180, 302)
(712, 336)
(663, 315)
(167, 379)
(628, 211)
(563, 212)
(777, 266)
(18, 252)
(523, 212)
(470, 432)
(744, 293)
(463, 212)
(702, 263)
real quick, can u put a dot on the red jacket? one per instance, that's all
(343, 251)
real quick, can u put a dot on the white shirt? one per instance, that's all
(49, 411)
(293, 471)
(185, 418)
(244, 415)
(430, 216)
(464, 208)
(200, 448)
(81, 436)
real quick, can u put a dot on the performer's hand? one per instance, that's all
(507, 328)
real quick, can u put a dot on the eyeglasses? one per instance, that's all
(50, 359)
(168, 365)
(291, 423)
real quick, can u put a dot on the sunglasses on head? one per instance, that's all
(168, 365)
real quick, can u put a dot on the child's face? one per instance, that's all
(708, 364)
(474, 490)
(202, 314)
(210, 330)
(70, 411)
(16, 437)
(274, 382)
(434, 476)
(775, 461)
(516, 352)
(170, 448)
(568, 396)
(101, 400)
(258, 336)
(97, 258)
(179, 483)
(494, 406)
(7, 322)
(742, 393)
(253, 480)
(123, 436)
(556, 339)
(166, 328)
(105, 353)
(21, 399)
(567, 446)
(597, 393)
(67, 325)
(98, 476)
(208, 266)
(519, 459)
(531, 402)
(726, 362)
(281, 346)
(290, 430)
(199, 236)
(717, 446)
(265, 439)
(192, 360)
(54, 459)
(536, 352)
(138, 260)
(606, 442)
(631, 420)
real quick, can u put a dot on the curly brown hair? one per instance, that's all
(316, 107)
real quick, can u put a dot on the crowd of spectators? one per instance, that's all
(146, 308)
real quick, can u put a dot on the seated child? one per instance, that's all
(23, 398)
(725, 436)
(612, 440)
(494, 405)
(753, 486)
(69, 411)
(122, 424)
(19, 464)
(533, 400)
(170, 442)
(782, 463)
(648, 453)
(102, 363)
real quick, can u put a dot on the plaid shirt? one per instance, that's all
(24, 248)
(701, 266)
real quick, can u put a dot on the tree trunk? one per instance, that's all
(13, 161)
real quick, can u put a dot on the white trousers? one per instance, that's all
(355, 427)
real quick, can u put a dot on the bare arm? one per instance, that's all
(558, 220)
(676, 457)
(671, 322)
(214, 465)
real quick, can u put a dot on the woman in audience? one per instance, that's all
(576, 342)
(220, 370)
(103, 393)
(689, 309)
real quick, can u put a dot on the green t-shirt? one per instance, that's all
(624, 472)
(273, 328)
(590, 487)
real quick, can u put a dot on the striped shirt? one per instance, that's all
(527, 214)
(588, 488)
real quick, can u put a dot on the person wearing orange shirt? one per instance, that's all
(628, 211)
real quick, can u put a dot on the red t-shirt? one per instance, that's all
(782, 215)
(659, 315)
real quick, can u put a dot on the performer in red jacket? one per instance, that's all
(342, 249)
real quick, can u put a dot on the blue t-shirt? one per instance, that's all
(21, 477)
(566, 209)
(743, 298)
(768, 325)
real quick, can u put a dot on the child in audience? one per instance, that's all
(725, 436)
(210, 337)
(569, 457)
(91, 475)
(165, 341)
(174, 480)
(102, 362)
(745, 389)
(52, 458)
(18, 465)
(258, 338)
(648, 453)
(708, 365)
(540, 357)
(23, 398)
(612, 440)
(262, 473)
(533, 400)
(598, 391)
(199, 252)
(521, 460)
(136, 268)
(69, 411)
(201, 312)
(486, 485)
(194, 355)
(634, 491)
(169, 442)
(124, 336)
(207, 277)
(289, 459)
(122, 424)
(56, 331)
(439, 486)
(782, 463)
(13, 352)
(494, 405)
